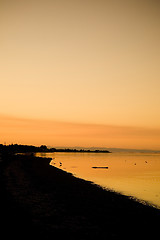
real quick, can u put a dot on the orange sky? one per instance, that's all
(89, 70)
(67, 134)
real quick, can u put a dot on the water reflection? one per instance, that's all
(134, 174)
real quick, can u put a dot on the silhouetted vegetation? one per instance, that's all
(81, 150)
(16, 148)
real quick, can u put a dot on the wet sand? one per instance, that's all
(39, 200)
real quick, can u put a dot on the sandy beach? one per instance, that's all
(39, 200)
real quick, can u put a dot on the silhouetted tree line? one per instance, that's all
(16, 148)
(81, 150)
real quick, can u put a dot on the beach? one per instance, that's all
(40, 200)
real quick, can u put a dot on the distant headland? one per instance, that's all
(18, 148)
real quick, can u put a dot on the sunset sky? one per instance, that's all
(80, 73)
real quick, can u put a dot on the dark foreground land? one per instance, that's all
(40, 201)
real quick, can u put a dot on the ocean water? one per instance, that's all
(132, 174)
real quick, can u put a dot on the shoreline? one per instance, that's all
(41, 200)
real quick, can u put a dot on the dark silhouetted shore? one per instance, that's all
(18, 148)
(41, 201)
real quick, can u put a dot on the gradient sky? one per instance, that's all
(90, 64)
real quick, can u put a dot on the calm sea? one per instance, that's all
(132, 174)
